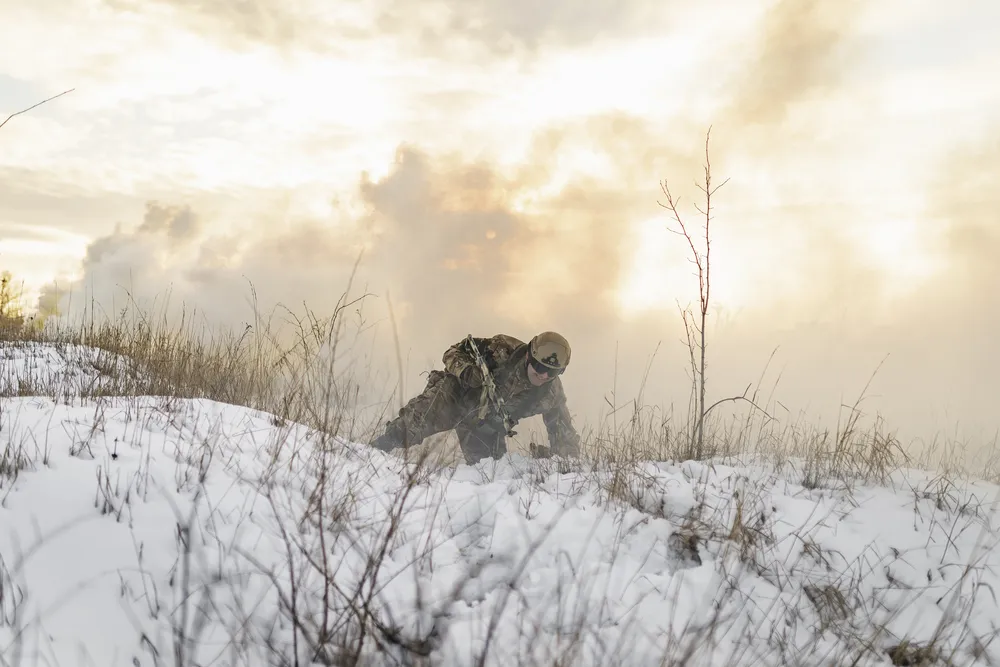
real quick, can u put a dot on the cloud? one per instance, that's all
(248, 23)
(522, 25)
(498, 26)
(435, 29)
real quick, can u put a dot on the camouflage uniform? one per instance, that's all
(450, 402)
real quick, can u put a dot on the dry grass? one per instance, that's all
(297, 367)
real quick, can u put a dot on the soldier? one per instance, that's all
(526, 376)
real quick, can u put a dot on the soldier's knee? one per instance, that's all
(482, 444)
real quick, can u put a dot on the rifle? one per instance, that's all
(490, 390)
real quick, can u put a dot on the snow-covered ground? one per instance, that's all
(159, 531)
(63, 370)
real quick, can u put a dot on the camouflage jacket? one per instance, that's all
(506, 357)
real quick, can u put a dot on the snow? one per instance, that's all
(67, 370)
(138, 529)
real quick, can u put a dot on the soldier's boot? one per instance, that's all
(392, 438)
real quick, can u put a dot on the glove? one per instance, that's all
(539, 451)
(471, 377)
(494, 422)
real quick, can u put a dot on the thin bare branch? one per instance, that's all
(743, 397)
(18, 113)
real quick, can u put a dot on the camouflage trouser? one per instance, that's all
(444, 405)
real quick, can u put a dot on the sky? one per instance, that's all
(498, 166)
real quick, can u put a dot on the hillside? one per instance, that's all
(138, 530)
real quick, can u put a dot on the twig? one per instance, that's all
(742, 397)
(18, 113)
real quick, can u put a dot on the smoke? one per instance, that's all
(963, 308)
(459, 247)
(799, 55)
(468, 247)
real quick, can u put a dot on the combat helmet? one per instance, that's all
(549, 352)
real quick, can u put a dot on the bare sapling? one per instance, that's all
(695, 329)
(695, 325)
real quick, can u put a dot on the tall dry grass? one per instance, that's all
(298, 366)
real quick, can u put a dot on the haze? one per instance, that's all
(499, 165)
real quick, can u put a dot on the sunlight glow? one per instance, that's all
(658, 272)
(36, 261)
(899, 248)
(645, 286)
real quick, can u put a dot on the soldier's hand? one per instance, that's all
(539, 451)
(471, 377)
(495, 421)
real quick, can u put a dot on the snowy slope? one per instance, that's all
(140, 529)
(60, 370)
